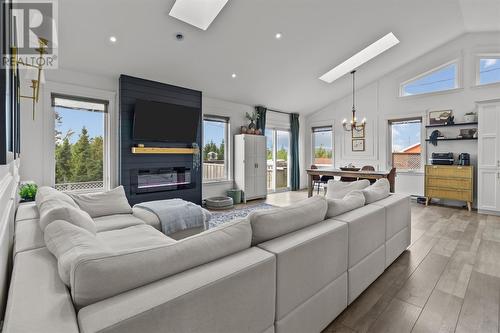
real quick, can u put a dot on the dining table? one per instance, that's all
(359, 174)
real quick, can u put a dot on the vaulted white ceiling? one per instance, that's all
(281, 74)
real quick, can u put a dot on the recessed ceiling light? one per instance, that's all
(112, 39)
(233, 75)
(278, 35)
(368, 53)
(196, 12)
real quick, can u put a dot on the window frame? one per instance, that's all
(457, 83)
(313, 127)
(477, 67)
(227, 165)
(403, 119)
(106, 161)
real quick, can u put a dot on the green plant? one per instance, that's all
(252, 117)
(28, 191)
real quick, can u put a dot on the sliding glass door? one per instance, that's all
(278, 161)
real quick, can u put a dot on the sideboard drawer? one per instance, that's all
(448, 194)
(450, 183)
(449, 171)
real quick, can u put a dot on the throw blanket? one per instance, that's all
(177, 214)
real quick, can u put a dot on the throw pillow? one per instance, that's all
(337, 189)
(56, 210)
(379, 190)
(351, 201)
(104, 203)
(69, 244)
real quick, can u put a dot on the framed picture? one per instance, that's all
(358, 134)
(358, 144)
(439, 117)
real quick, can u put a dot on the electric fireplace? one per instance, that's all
(160, 179)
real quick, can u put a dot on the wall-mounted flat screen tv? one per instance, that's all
(155, 121)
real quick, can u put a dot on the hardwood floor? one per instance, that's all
(447, 281)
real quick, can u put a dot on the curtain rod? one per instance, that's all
(277, 111)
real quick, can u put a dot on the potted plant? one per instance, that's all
(253, 118)
(27, 191)
(470, 117)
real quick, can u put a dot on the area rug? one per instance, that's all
(221, 217)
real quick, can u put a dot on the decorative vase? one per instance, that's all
(251, 125)
(243, 130)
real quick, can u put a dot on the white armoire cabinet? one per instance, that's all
(488, 164)
(250, 165)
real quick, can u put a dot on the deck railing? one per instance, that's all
(80, 186)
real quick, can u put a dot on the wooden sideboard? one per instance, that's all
(454, 182)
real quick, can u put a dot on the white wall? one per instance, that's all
(9, 178)
(380, 101)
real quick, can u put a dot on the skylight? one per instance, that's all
(199, 13)
(365, 55)
(442, 78)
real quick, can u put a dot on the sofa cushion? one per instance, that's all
(69, 243)
(272, 223)
(46, 193)
(337, 189)
(397, 211)
(135, 268)
(307, 260)
(366, 230)
(379, 190)
(352, 200)
(134, 237)
(65, 212)
(38, 300)
(27, 211)
(117, 221)
(28, 236)
(104, 203)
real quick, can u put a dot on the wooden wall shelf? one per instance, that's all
(159, 150)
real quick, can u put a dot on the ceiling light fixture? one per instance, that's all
(196, 12)
(365, 55)
(233, 75)
(278, 35)
(112, 39)
(353, 125)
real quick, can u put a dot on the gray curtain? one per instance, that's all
(294, 152)
(261, 122)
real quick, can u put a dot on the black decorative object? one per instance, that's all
(450, 120)
(434, 137)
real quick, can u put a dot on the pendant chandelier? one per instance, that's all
(353, 124)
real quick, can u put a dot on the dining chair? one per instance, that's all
(368, 168)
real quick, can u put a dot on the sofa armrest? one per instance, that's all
(147, 216)
(38, 299)
(197, 300)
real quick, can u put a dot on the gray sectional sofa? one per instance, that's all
(291, 269)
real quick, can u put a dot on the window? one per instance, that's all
(80, 143)
(215, 155)
(442, 78)
(406, 149)
(489, 70)
(322, 143)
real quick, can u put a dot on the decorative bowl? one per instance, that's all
(349, 169)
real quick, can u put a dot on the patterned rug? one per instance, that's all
(221, 217)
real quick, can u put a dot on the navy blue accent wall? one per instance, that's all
(131, 89)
